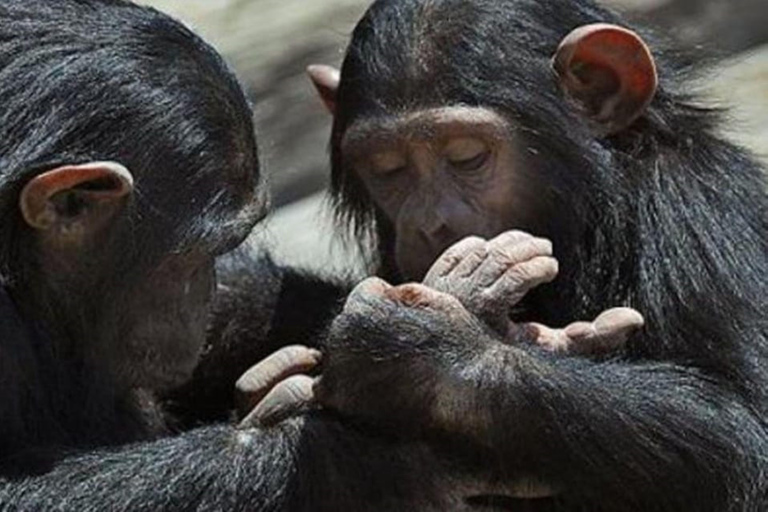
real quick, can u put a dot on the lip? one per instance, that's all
(524, 490)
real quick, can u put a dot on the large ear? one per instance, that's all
(609, 72)
(326, 81)
(74, 201)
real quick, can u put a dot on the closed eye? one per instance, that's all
(471, 164)
(388, 162)
(467, 154)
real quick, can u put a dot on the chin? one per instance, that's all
(170, 379)
(166, 365)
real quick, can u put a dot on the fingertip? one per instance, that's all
(623, 316)
(579, 330)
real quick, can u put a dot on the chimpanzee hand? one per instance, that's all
(392, 351)
(490, 277)
(277, 387)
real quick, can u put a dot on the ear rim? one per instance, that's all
(34, 199)
(326, 80)
(645, 64)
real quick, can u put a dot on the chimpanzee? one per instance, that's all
(128, 164)
(458, 117)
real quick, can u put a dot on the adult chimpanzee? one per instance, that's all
(460, 117)
(127, 164)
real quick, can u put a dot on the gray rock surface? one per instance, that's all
(741, 86)
(270, 43)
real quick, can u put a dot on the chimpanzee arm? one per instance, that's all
(643, 436)
(614, 435)
(305, 464)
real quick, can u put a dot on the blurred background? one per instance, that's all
(269, 43)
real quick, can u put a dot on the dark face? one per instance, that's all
(170, 304)
(439, 175)
(138, 310)
(144, 169)
(472, 118)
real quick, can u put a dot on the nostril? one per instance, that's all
(443, 234)
(438, 235)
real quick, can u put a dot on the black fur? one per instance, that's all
(260, 307)
(666, 217)
(88, 80)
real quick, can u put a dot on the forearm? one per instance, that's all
(305, 464)
(205, 469)
(639, 433)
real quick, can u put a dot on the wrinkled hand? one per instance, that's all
(392, 348)
(490, 278)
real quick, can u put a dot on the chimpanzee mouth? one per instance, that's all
(524, 495)
(505, 502)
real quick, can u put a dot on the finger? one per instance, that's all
(609, 332)
(416, 295)
(520, 279)
(362, 293)
(618, 321)
(288, 397)
(254, 384)
(509, 250)
(451, 258)
(371, 285)
(554, 340)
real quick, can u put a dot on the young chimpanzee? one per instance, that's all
(127, 165)
(459, 117)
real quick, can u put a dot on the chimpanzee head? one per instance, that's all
(128, 162)
(459, 117)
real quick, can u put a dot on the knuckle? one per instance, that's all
(283, 358)
(533, 271)
(474, 241)
(515, 234)
(292, 352)
(297, 388)
(371, 284)
(520, 275)
(463, 246)
(477, 253)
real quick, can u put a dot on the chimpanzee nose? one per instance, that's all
(438, 236)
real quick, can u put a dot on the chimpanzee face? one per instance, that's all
(143, 301)
(166, 328)
(131, 170)
(440, 175)
(440, 165)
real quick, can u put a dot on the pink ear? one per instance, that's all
(326, 81)
(609, 72)
(92, 184)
